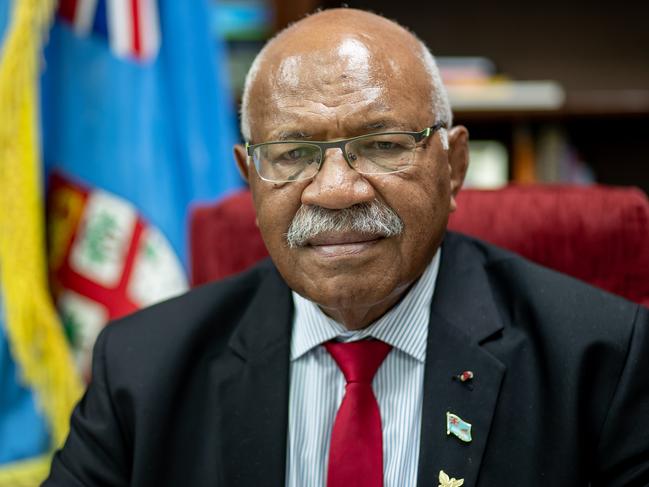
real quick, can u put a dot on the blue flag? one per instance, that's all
(138, 125)
(23, 430)
(157, 131)
(458, 427)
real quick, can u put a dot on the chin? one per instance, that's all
(347, 291)
(342, 281)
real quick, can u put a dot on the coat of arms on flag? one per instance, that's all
(105, 261)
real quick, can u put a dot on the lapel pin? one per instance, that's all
(446, 481)
(458, 427)
(465, 378)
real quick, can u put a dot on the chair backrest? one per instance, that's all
(598, 234)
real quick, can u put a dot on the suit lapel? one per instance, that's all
(250, 390)
(463, 315)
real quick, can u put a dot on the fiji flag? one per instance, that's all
(138, 125)
(458, 427)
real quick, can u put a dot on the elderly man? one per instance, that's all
(374, 349)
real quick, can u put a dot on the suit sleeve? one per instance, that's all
(95, 452)
(623, 451)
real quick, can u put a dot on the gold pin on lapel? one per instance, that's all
(446, 481)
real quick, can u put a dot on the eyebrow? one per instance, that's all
(381, 124)
(293, 135)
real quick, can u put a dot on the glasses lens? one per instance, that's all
(381, 153)
(288, 161)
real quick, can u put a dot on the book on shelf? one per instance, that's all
(473, 84)
(557, 160)
(465, 69)
(547, 156)
(488, 166)
(523, 156)
(507, 95)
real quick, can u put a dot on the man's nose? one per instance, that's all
(337, 186)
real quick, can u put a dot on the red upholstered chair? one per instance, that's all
(598, 234)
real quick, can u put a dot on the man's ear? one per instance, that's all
(242, 161)
(244, 169)
(458, 159)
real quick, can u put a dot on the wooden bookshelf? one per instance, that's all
(579, 104)
(597, 53)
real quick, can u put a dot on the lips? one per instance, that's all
(326, 239)
(342, 244)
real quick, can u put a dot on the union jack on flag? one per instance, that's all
(132, 27)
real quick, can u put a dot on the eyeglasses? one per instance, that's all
(380, 153)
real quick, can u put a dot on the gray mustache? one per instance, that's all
(375, 218)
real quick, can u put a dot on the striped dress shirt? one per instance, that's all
(317, 385)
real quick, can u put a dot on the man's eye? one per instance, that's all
(295, 154)
(385, 145)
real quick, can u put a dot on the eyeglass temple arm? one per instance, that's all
(430, 130)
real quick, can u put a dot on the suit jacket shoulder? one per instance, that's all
(197, 323)
(519, 287)
(171, 386)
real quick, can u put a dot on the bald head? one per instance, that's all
(346, 51)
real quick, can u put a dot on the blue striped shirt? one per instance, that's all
(317, 385)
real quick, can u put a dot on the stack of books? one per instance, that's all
(474, 85)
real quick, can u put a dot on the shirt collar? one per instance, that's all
(405, 326)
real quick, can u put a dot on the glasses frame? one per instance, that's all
(340, 144)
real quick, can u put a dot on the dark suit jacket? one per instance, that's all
(194, 391)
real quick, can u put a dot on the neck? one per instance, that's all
(360, 317)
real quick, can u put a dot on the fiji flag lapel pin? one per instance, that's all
(458, 427)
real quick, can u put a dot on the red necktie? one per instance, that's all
(356, 450)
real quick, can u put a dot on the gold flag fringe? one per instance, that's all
(35, 335)
(26, 473)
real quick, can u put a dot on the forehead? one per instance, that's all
(339, 88)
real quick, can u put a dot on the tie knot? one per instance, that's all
(359, 360)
